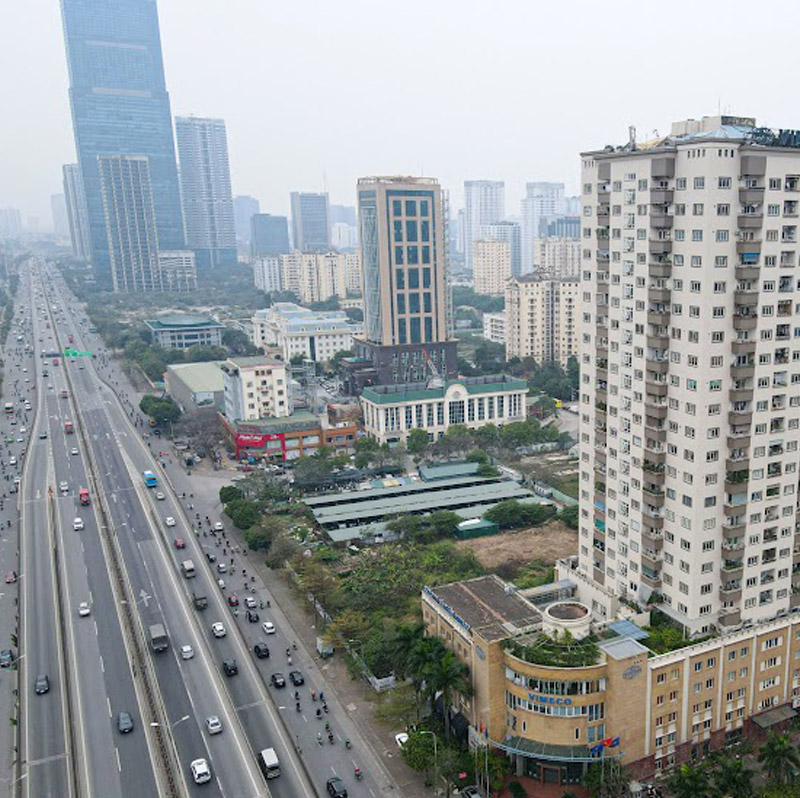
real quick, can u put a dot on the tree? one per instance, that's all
(401, 644)
(780, 758)
(570, 516)
(312, 472)
(260, 536)
(348, 625)
(160, 409)
(574, 374)
(400, 705)
(243, 513)
(442, 524)
(607, 779)
(732, 779)
(366, 450)
(420, 750)
(445, 677)
(417, 444)
(237, 342)
(203, 428)
(229, 493)
(335, 361)
(689, 782)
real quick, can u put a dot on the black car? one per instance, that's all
(124, 722)
(297, 678)
(252, 616)
(211, 556)
(278, 680)
(336, 788)
(42, 684)
(230, 667)
(261, 651)
(6, 658)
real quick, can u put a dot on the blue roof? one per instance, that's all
(628, 629)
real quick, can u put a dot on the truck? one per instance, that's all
(83, 496)
(200, 602)
(187, 566)
(158, 637)
(68, 430)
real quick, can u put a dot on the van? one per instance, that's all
(269, 764)
(187, 566)
(158, 637)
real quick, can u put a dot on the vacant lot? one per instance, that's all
(513, 550)
(557, 469)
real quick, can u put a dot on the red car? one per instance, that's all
(180, 543)
(233, 600)
(11, 577)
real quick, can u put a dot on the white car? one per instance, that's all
(218, 629)
(401, 739)
(218, 526)
(12, 460)
(77, 524)
(22, 430)
(250, 603)
(84, 609)
(187, 652)
(213, 725)
(74, 450)
(201, 773)
(63, 487)
(160, 496)
(169, 521)
(268, 627)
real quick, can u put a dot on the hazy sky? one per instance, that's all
(320, 92)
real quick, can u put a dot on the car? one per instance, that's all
(180, 543)
(187, 652)
(268, 627)
(278, 680)
(233, 600)
(6, 658)
(77, 524)
(124, 722)
(11, 577)
(12, 461)
(230, 667)
(22, 430)
(42, 684)
(160, 496)
(252, 616)
(261, 650)
(401, 738)
(222, 567)
(472, 792)
(201, 772)
(74, 451)
(42, 435)
(218, 629)
(13, 422)
(296, 678)
(250, 602)
(169, 521)
(63, 487)
(84, 609)
(336, 788)
(221, 583)
(213, 725)
(218, 526)
(210, 556)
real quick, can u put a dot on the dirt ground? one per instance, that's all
(548, 543)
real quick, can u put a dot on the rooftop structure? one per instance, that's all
(180, 331)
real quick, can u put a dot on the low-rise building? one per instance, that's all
(392, 411)
(195, 386)
(494, 327)
(314, 335)
(184, 331)
(254, 388)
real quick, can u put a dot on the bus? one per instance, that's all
(269, 764)
(149, 479)
(68, 427)
(83, 496)
(9, 408)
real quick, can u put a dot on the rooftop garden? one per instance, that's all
(559, 651)
(666, 635)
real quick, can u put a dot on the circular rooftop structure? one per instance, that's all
(568, 616)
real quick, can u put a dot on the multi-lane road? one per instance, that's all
(125, 565)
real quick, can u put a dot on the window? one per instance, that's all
(723, 182)
(699, 182)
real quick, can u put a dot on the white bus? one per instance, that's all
(269, 764)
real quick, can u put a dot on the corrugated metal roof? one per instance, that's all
(199, 377)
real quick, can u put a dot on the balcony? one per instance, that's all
(746, 295)
(747, 272)
(660, 268)
(745, 321)
(658, 294)
(740, 417)
(734, 465)
(662, 196)
(655, 387)
(743, 347)
(732, 591)
(733, 546)
(651, 578)
(652, 559)
(657, 365)
(732, 568)
(748, 246)
(750, 196)
(660, 219)
(658, 412)
(743, 371)
(660, 246)
(748, 221)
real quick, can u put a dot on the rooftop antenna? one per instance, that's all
(324, 181)
(632, 136)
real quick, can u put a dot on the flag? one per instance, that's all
(614, 742)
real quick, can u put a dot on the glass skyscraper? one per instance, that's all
(120, 106)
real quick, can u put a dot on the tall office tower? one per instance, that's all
(206, 190)
(484, 203)
(120, 106)
(690, 391)
(512, 234)
(77, 214)
(343, 214)
(491, 266)
(10, 222)
(311, 222)
(269, 235)
(542, 202)
(129, 214)
(461, 231)
(58, 209)
(405, 286)
(564, 227)
(244, 209)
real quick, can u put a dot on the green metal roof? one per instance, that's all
(434, 472)
(182, 320)
(296, 422)
(412, 392)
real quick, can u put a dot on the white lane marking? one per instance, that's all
(119, 764)
(108, 701)
(102, 664)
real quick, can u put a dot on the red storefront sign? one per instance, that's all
(253, 440)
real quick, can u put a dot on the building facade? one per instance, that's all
(196, 386)
(484, 203)
(245, 208)
(689, 294)
(178, 270)
(58, 210)
(184, 331)
(269, 235)
(542, 202)
(311, 222)
(314, 335)
(120, 106)
(205, 177)
(392, 411)
(77, 215)
(10, 222)
(491, 266)
(494, 327)
(542, 319)
(255, 387)
(557, 257)
(316, 277)
(510, 232)
(268, 274)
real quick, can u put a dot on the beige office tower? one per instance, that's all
(557, 257)
(491, 266)
(690, 371)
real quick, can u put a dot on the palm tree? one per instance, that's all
(402, 644)
(446, 676)
(689, 782)
(779, 758)
(732, 779)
